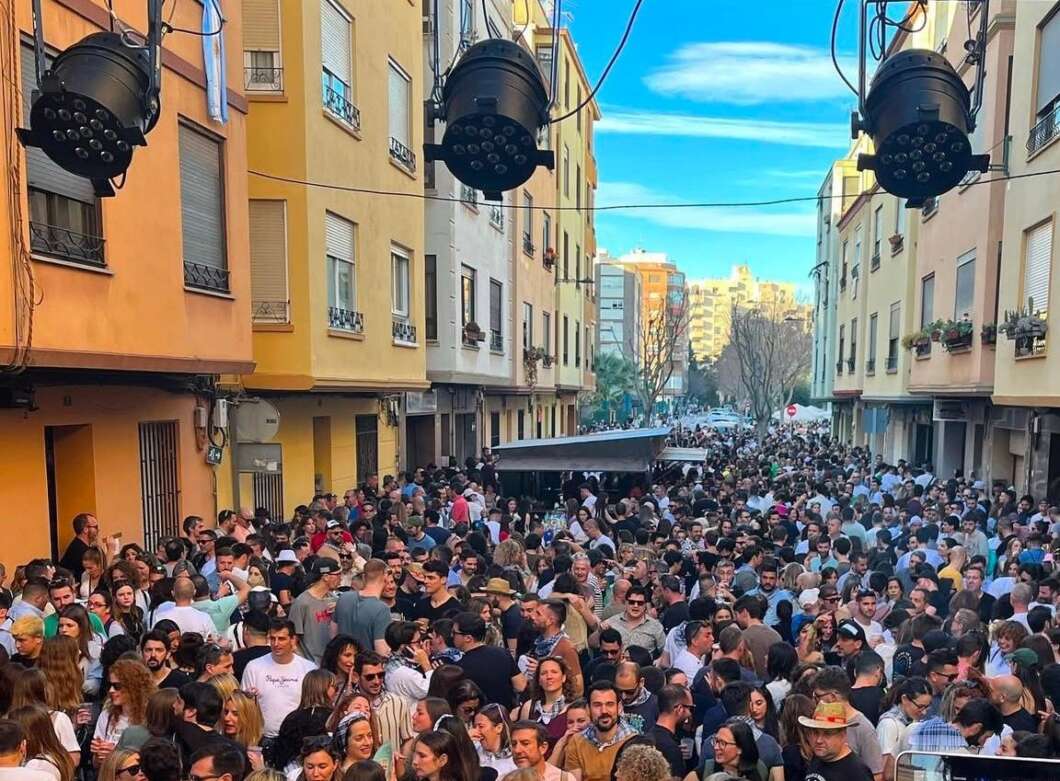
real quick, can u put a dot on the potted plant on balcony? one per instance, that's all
(546, 359)
(896, 242)
(957, 334)
(915, 339)
(550, 258)
(1024, 323)
(988, 333)
(474, 333)
(531, 357)
(935, 330)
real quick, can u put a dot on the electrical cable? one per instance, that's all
(491, 28)
(835, 61)
(169, 28)
(623, 206)
(607, 68)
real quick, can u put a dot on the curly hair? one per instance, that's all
(58, 661)
(643, 763)
(137, 686)
(537, 694)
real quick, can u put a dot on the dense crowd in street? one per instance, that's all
(789, 609)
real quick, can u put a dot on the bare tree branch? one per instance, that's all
(662, 346)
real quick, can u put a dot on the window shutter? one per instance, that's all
(895, 326)
(268, 251)
(338, 237)
(1049, 62)
(201, 198)
(1036, 266)
(399, 105)
(261, 25)
(42, 173)
(335, 40)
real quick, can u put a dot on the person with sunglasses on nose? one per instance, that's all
(634, 624)
(941, 667)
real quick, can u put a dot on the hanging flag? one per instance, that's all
(213, 58)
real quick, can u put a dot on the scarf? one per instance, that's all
(397, 661)
(544, 646)
(623, 731)
(546, 714)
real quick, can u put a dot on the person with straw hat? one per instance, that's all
(833, 759)
(502, 594)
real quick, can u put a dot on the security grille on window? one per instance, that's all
(268, 261)
(261, 46)
(340, 238)
(336, 55)
(202, 211)
(1047, 124)
(400, 127)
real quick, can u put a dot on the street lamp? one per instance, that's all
(98, 100)
(920, 117)
(494, 103)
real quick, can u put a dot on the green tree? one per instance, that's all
(616, 376)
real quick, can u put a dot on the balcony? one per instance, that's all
(469, 196)
(263, 79)
(931, 205)
(892, 362)
(839, 367)
(528, 245)
(270, 312)
(404, 332)
(337, 100)
(870, 366)
(843, 283)
(851, 363)
(497, 217)
(402, 155)
(922, 349)
(496, 342)
(203, 277)
(874, 263)
(1045, 131)
(64, 244)
(345, 320)
(1027, 346)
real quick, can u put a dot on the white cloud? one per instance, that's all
(726, 219)
(640, 122)
(750, 72)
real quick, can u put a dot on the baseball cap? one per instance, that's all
(287, 556)
(851, 630)
(333, 525)
(323, 566)
(415, 522)
(1023, 656)
(809, 597)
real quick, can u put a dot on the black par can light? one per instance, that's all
(494, 103)
(918, 115)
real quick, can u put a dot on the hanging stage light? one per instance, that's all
(97, 101)
(919, 115)
(494, 103)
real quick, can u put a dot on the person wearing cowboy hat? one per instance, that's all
(833, 759)
(511, 615)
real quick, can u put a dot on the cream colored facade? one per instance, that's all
(711, 302)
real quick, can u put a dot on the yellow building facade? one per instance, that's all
(336, 100)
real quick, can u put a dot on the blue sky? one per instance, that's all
(738, 104)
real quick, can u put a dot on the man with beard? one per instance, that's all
(155, 651)
(767, 587)
(86, 532)
(529, 747)
(675, 716)
(591, 754)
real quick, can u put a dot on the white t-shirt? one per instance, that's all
(110, 729)
(44, 765)
(279, 687)
(24, 774)
(687, 663)
(188, 619)
(64, 730)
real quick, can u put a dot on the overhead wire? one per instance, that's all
(835, 60)
(617, 207)
(607, 68)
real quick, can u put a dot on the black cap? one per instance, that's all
(851, 630)
(324, 566)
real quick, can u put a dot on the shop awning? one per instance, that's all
(633, 450)
(694, 454)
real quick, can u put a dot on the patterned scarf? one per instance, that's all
(544, 646)
(545, 714)
(399, 660)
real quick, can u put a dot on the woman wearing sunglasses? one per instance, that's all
(129, 686)
(121, 765)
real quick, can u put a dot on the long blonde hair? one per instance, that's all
(108, 771)
(63, 677)
(225, 684)
(251, 722)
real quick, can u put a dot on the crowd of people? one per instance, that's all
(789, 609)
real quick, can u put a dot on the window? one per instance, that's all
(430, 292)
(1048, 86)
(528, 222)
(495, 429)
(268, 261)
(873, 333)
(467, 295)
(521, 417)
(261, 46)
(339, 241)
(399, 270)
(496, 316)
(1037, 260)
(577, 261)
(843, 272)
(566, 255)
(528, 325)
(566, 340)
(855, 263)
(964, 296)
(877, 233)
(546, 231)
(566, 83)
(578, 102)
(202, 211)
(842, 342)
(546, 330)
(467, 22)
(927, 300)
(336, 59)
(544, 59)
(400, 128)
(577, 185)
(899, 217)
(577, 343)
(566, 171)
(893, 331)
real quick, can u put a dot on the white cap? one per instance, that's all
(809, 597)
(287, 555)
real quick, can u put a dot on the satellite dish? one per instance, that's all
(257, 420)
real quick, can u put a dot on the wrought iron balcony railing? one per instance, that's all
(263, 79)
(497, 217)
(528, 245)
(496, 342)
(404, 332)
(66, 244)
(870, 366)
(337, 100)
(1046, 130)
(345, 320)
(469, 195)
(270, 311)
(203, 277)
(402, 154)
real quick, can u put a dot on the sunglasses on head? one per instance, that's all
(132, 770)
